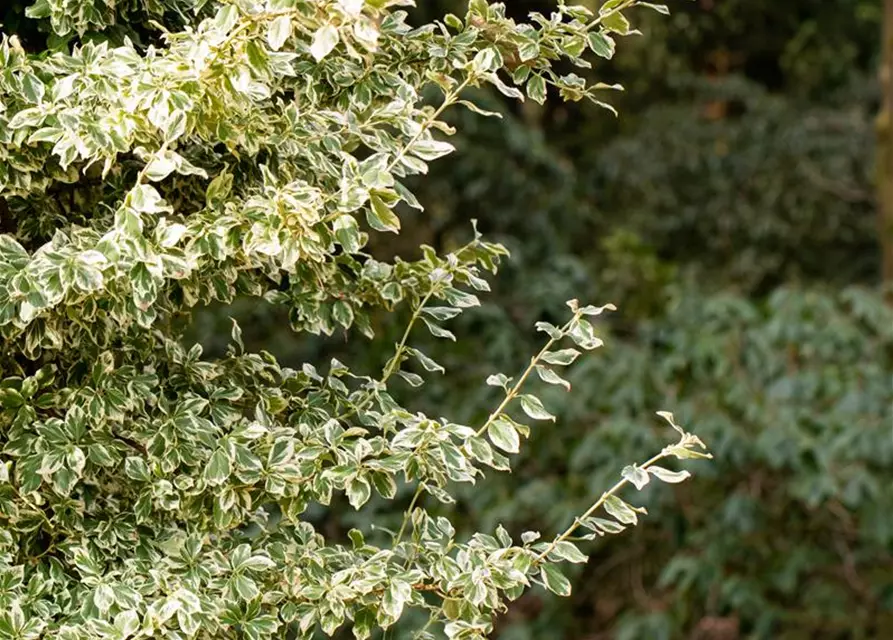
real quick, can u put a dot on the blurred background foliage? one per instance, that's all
(730, 213)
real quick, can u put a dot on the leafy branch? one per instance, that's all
(638, 475)
(534, 361)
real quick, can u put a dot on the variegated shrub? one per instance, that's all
(156, 155)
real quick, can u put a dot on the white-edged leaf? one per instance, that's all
(278, 32)
(668, 416)
(636, 475)
(347, 233)
(358, 491)
(324, 41)
(503, 434)
(555, 581)
(665, 475)
(127, 622)
(621, 510)
(565, 550)
(601, 44)
(380, 217)
(547, 375)
(590, 310)
(170, 234)
(498, 380)
(438, 331)
(160, 167)
(218, 468)
(660, 8)
(562, 357)
(426, 362)
(429, 150)
(550, 329)
(352, 7)
(534, 408)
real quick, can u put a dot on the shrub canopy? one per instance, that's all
(159, 155)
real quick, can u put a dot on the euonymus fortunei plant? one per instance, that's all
(161, 154)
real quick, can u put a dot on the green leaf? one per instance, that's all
(528, 50)
(12, 254)
(281, 452)
(170, 235)
(46, 134)
(666, 415)
(660, 8)
(636, 475)
(547, 375)
(583, 334)
(136, 469)
(363, 624)
(358, 491)
(563, 357)
(621, 510)
(219, 189)
(395, 598)
(278, 31)
(32, 88)
(127, 622)
(665, 475)
(438, 331)
(536, 88)
(144, 198)
(103, 598)
(617, 23)
(324, 41)
(684, 453)
(426, 362)
(430, 150)
(503, 434)
(343, 313)
(442, 313)
(160, 167)
(347, 233)
(87, 269)
(245, 587)
(257, 563)
(218, 468)
(554, 581)
(602, 526)
(100, 455)
(413, 379)
(534, 408)
(385, 485)
(486, 60)
(608, 6)
(565, 550)
(226, 17)
(590, 310)
(498, 380)
(480, 450)
(601, 44)
(380, 217)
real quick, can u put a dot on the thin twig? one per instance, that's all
(401, 347)
(513, 393)
(394, 362)
(595, 507)
(408, 514)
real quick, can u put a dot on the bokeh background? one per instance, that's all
(730, 213)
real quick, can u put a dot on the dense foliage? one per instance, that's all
(727, 211)
(159, 155)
